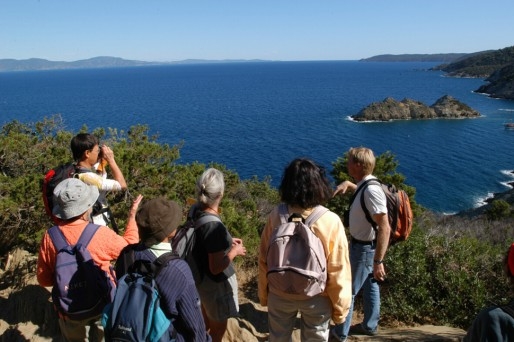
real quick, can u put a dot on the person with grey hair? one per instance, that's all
(214, 251)
(74, 202)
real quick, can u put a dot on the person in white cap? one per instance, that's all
(74, 200)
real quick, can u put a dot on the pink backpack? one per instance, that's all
(296, 260)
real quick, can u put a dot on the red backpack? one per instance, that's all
(52, 178)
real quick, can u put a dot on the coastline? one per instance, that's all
(507, 196)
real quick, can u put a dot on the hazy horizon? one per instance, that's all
(166, 31)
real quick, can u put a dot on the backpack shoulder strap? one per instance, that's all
(79, 170)
(87, 234)
(362, 186)
(206, 219)
(57, 238)
(202, 220)
(283, 213)
(162, 261)
(125, 260)
(318, 211)
(60, 242)
(363, 203)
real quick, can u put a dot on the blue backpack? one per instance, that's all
(136, 314)
(81, 288)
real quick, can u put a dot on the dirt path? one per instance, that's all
(26, 313)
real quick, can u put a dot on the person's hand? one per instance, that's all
(344, 187)
(135, 206)
(107, 153)
(238, 247)
(379, 272)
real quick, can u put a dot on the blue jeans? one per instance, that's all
(361, 261)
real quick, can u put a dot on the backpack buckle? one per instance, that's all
(296, 218)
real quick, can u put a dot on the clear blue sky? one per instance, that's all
(171, 30)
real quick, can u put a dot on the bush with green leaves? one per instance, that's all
(498, 209)
(447, 270)
(444, 273)
(150, 168)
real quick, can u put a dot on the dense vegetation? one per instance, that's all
(435, 57)
(448, 269)
(481, 64)
(500, 83)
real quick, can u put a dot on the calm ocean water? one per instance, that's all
(256, 117)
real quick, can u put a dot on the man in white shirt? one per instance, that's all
(367, 245)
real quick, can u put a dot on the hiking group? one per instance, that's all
(149, 294)
(165, 280)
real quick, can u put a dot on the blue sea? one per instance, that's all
(256, 117)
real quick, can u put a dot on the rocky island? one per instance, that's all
(446, 107)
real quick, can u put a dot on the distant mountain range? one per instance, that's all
(436, 57)
(43, 64)
(95, 62)
(116, 62)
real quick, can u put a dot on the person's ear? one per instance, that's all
(172, 234)
(86, 154)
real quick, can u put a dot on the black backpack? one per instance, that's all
(184, 240)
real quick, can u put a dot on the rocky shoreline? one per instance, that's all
(389, 109)
(507, 196)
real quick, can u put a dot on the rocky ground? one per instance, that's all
(26, 313)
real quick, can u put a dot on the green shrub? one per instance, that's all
(445, 273)
(498, 209)
(29, 150)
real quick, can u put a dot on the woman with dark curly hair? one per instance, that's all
(304, 188)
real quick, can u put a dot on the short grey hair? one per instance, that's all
(210, 186)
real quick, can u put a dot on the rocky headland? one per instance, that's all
(496, 67)
(389, 109)
(500, 84)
